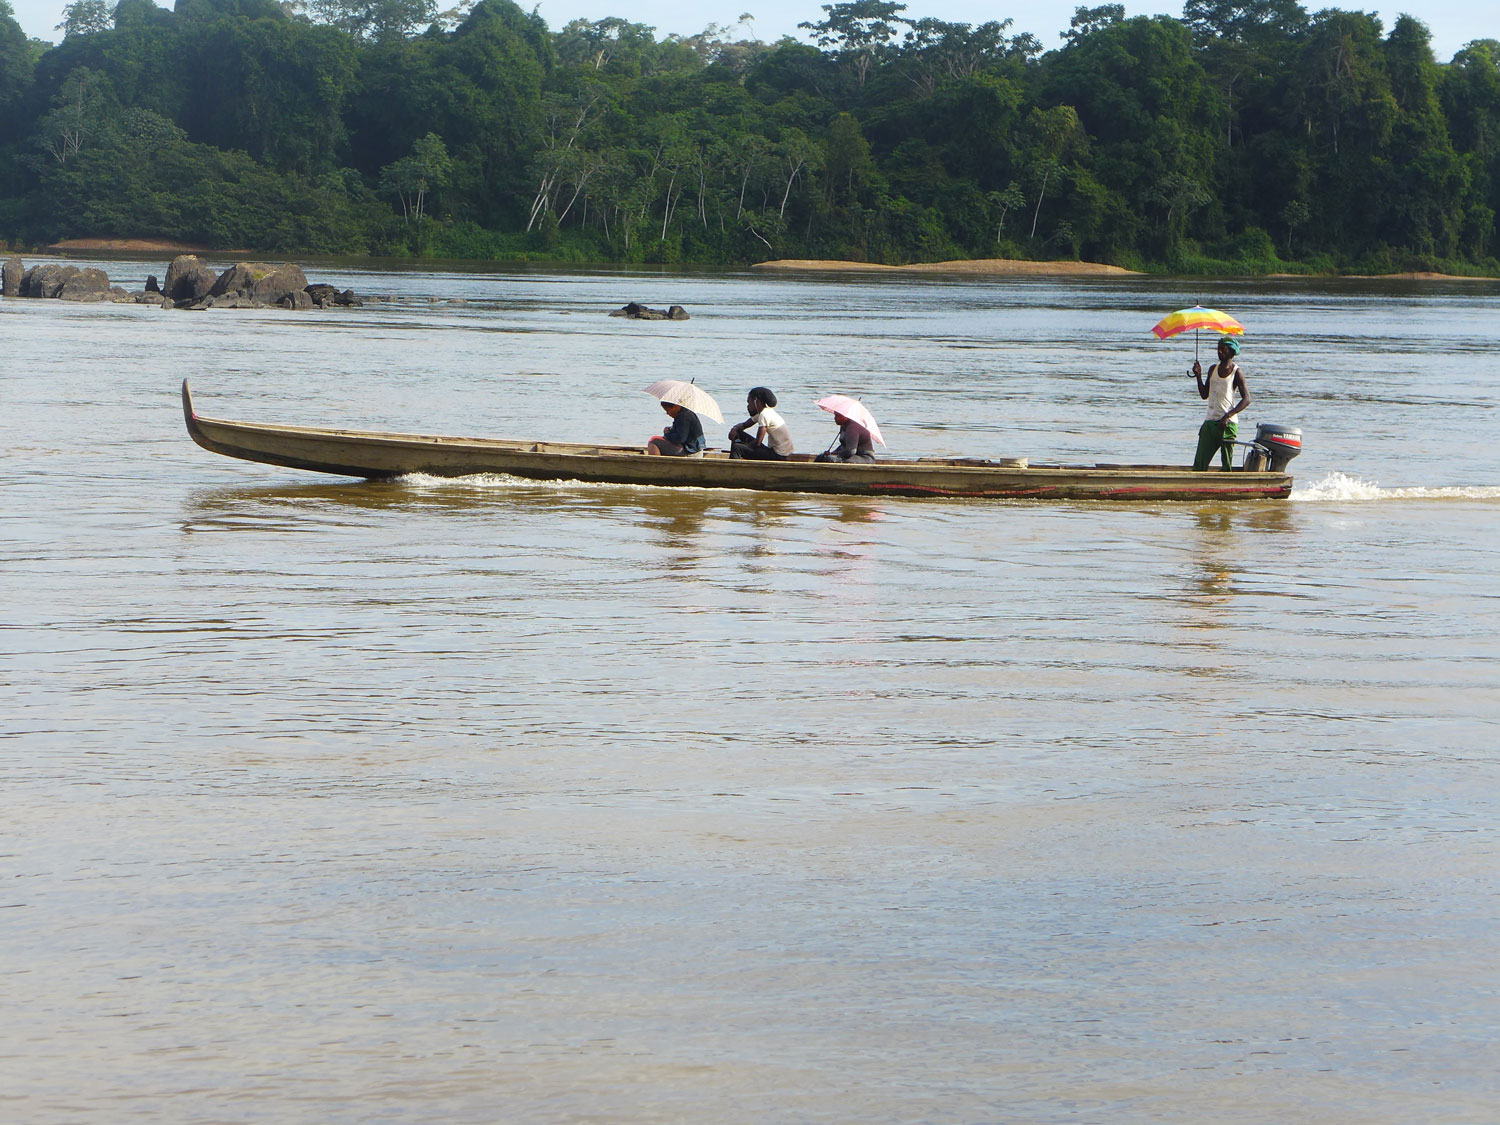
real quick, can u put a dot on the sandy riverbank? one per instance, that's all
(987, 266)
(135, 246)
(1416, 277)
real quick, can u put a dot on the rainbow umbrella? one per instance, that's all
(1197, 318)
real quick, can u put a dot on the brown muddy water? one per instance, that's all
(483, 800)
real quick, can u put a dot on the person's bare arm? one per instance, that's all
(1201, 379)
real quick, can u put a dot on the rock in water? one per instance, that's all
(636, 311)
(10, 277)
(326, 296)
(261, 281)
(286, 280)
(186, 277)
(46, 280)
(86, 285)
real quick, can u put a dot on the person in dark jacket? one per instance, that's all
(854, 443)
(683, 438)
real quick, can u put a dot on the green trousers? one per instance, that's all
(1216, 435)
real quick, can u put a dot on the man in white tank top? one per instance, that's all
(1225, 380)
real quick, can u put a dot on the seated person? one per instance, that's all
(683, 438)
(773, 441)
(854, 443)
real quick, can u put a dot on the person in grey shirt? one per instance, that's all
(854, 443)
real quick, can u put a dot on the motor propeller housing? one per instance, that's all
(1274, 447)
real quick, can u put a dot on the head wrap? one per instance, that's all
(1234, 345)
(764, 394)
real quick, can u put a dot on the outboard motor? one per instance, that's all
(1273, 448)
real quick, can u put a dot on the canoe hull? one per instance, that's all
(372, 455)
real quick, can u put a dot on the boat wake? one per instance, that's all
(1336, 488)
(1340, 488)
(504, 482)
(491, 482)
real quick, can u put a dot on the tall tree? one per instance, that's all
(379, 21)
(85, 17)
(78, 116)
(859, 31)
(412, 178)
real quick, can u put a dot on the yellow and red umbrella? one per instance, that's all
(1198, 319)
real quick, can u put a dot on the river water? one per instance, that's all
(484, 800)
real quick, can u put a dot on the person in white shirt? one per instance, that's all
(1227, 393)
(772, 441)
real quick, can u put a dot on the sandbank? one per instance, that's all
(1417, 277)
(135, 246)
(990, 267)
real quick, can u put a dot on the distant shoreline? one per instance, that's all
(1015, 267)
(985, 266)
(979, 267)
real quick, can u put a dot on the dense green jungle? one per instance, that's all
(1242, 138)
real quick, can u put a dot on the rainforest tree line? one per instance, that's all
(1243, 137)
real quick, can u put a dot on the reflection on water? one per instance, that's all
(493, 800)
(1217, 559)
(672, 509)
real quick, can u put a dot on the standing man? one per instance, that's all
(772, 441)
(1219, 430)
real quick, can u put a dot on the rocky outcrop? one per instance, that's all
(260, 281)
(327, 297)
(642, 312)
(189, 285)
(85, 285)
(180, 268)
(188, 280)
(227, 301)
(45, 280)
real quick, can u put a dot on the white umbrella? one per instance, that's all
(854, 410)
(690, 395)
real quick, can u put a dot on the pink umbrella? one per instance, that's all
(854, 410)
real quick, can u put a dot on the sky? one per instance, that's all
(1452, 22)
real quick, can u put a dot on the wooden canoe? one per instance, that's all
(375, 455)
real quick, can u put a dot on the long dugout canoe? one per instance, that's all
(375, 456)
